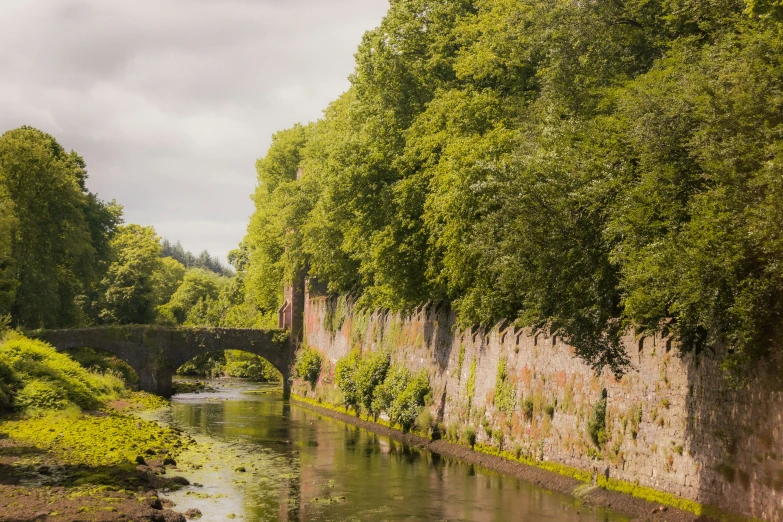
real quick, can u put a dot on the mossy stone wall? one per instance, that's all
(672, 423)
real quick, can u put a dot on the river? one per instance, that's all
(270, 459)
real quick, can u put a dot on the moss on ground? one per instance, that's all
(96, 440)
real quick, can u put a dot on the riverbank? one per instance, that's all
(102, 465)
(635, 507)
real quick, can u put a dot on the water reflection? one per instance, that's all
(303, 466)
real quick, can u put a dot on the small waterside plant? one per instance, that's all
(308, 365)
(596, 426)
(377, 386)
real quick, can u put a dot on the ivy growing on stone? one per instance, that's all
(596, 425)
(505, 392)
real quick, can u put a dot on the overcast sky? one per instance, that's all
(170, 102)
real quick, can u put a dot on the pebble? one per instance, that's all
(192, 513)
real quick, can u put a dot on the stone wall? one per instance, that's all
(673, 424)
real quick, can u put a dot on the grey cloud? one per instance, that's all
(170, 102)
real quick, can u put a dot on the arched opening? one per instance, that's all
(96, 359)
(225, 364)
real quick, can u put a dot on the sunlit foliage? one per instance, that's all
(578, 167)
(54, 234)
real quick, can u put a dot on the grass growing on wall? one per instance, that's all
(471, 385)
(505, 393)
(596, 425)
(336, 314)
(460, 361)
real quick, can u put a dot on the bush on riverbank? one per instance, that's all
(373, 383)
(308, 365)
(34, 378)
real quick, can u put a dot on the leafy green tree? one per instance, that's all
(697, 239)
(8, 282)
(60, 233)
(230, 308)
(580, 168)
(273, 242)
(186, 258)
(129, 290)
(167, 278)
(198, 285)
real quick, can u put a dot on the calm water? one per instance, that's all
(300, 465)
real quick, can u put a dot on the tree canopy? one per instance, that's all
(186, 258)
(578, 167)
(54, 233)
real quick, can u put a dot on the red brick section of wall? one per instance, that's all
(673, 424)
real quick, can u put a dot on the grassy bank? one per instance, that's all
(69, 447)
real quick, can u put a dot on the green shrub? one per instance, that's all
(527, 408)
(470, 436)
(380, 387)
(596, 425)
(549, 410)
(505, 393)
(497, 437)
(41, 395)
(394, 384)
(7, 384)
(371, 372)
(427, 424)
(345, 377)
(517, 451)
(33, 376)
(407, 405)
(487, 427)
(308, 365)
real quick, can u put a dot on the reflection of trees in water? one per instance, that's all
(274, 492)
(291, 491)
(355, 474)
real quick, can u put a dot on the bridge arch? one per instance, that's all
(155, 352)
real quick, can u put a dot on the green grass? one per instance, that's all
(35, 379)
(95, 440)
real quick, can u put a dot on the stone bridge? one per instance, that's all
(155, 352)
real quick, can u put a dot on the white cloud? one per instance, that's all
(171, 102)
